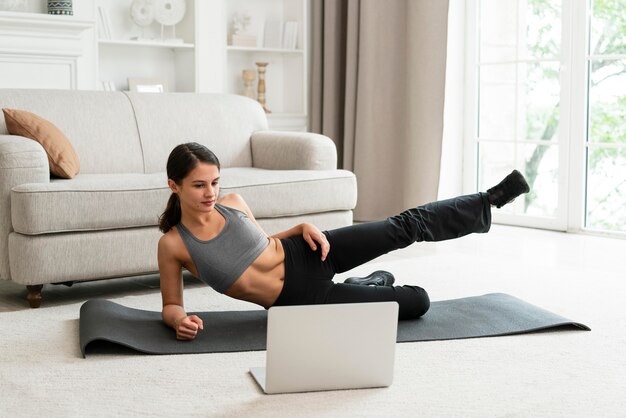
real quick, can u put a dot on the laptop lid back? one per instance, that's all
(332, 346)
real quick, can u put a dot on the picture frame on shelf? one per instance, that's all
(147, 85)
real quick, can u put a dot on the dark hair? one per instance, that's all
(182, 160)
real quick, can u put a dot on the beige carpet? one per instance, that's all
(581, 374)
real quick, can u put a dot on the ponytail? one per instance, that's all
(172, 214)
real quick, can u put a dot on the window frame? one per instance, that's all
(570, 213)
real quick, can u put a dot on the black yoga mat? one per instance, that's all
(105, 324)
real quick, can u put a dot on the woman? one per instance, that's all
(221, 243)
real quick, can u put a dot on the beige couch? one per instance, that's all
(102, 223)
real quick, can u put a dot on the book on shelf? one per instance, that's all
(104, 24)
(273, 34)
(290, 35)
(277, 34)
(108, 86)
(243, 39)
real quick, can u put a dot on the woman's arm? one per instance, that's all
(293, 231)
(171, 281)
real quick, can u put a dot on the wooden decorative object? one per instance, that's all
(261, 86)
(248, 77)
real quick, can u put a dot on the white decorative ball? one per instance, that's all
(142, 12)
(169, 12)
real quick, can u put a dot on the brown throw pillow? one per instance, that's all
(61, 155)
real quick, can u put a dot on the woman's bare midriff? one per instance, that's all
(263, 280)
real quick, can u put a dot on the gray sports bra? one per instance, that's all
(222, 260)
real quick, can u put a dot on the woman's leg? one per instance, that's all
(437, 221)
(357, 244)
(413, 301)
(308, 281)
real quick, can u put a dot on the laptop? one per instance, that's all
(329, 347)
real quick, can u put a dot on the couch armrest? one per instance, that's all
(275, 150)
(24, 155)
(22, 160)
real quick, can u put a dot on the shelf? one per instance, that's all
(205, 62)
(20, 22)
(154, 44)
(286, 76)
(268, 50)
(285, 115)
(167, 53)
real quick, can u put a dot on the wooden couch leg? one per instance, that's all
(34, 295)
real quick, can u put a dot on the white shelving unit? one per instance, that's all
(287, 72)
(159, 44)
(200, 61)
(154, 55)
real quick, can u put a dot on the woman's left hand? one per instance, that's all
(314, 236)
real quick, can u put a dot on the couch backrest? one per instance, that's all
(222, 122)
(100, 125)
(125, 132)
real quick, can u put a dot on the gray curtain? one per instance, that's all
(378, 78)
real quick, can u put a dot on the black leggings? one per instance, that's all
(308, 280)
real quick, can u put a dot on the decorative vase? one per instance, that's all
(60, 8)
(248, 77)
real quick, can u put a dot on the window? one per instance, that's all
(606, 136)
(548, 96)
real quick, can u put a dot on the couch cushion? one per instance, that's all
(100, 202)
(89, 202)
(276, 193)
(62, 158)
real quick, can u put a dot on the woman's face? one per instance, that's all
(200, 189)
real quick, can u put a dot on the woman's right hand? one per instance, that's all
(187, 327)
(313, 235)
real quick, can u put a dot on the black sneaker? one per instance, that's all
(377, 278)
(508, 189)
